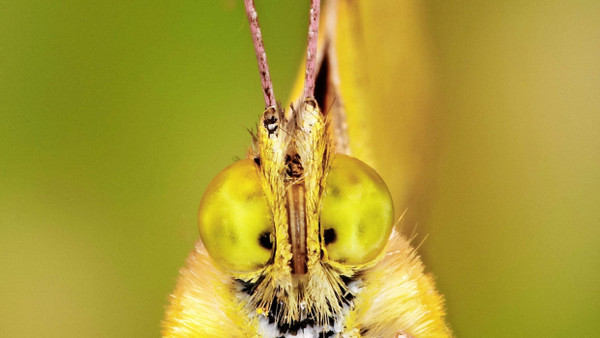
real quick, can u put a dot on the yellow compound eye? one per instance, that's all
(235, 221)
(356, 212)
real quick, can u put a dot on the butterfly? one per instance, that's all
(298, 239)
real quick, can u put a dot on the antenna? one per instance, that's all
(261, 55)
(311, 52)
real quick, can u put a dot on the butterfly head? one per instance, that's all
(295, 225)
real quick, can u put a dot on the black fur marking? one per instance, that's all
(348, 298)
(248, 287)
(270, 123)
(275, 309)
(347, 280)
(294, 166)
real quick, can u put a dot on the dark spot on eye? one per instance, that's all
(229, 234)
(257, 161)
(329, 236)
(334, 191)
(265, 240)
(353, 179)
(254, 195)
(360, 229)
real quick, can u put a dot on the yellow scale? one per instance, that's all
(298, 240)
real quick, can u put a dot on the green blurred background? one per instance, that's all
(115, 115)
